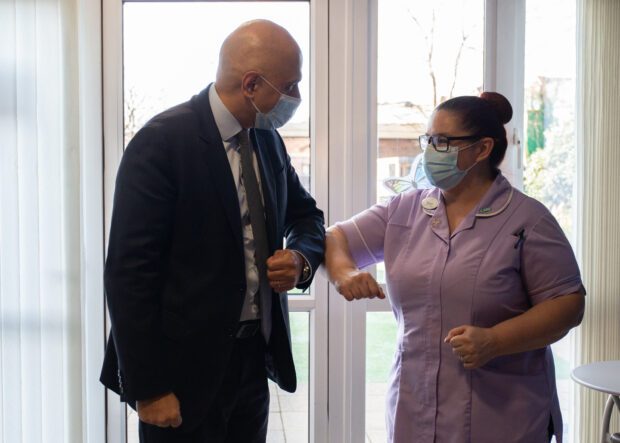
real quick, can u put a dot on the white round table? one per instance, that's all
(602, 376)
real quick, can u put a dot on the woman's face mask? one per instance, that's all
(280, 114)
(441, 168)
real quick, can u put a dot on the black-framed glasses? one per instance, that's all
(441, 143)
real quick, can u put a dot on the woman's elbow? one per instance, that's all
(580, 309)
(576, 311)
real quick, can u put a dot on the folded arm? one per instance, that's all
(304, 228)
(342, 271)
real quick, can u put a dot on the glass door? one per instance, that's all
(549, 154)
(427, 52)
(150, 70)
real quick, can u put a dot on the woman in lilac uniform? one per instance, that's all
(481, 280)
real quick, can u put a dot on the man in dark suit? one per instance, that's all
(196, 274)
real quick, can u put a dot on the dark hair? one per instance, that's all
(485, 115)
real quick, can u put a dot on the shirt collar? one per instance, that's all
(494, 202)
(497, 198)
(226, 123)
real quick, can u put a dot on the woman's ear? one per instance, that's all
(486, 147)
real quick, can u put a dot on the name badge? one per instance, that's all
(430, 203)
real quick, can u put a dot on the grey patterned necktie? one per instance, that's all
(259, 229)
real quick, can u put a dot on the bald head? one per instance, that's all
(259, 45)
(259, 61)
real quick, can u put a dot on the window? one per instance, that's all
(428, 52)
(288, 413)
(549, 144)
(380, 350)
(162, 69)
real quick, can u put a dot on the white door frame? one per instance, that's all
(116, 423)
(352, 164)
(504, 73)
(316, 303)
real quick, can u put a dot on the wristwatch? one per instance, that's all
(306, 271)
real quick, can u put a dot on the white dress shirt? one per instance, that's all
(229, 127)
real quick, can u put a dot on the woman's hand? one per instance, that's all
(355, 285)
(472, 345)
(539, 326)
(342, 270)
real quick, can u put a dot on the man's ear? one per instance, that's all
(486, 147)
(248, 83)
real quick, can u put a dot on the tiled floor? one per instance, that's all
(375, 413)
(132, 426)
(288, 415)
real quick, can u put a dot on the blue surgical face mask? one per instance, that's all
(280, 114)
(441, 167)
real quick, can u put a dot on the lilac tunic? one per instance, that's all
(481, 274)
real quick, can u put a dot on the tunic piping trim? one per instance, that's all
(500, 210)
(431, 212)
(364, 241)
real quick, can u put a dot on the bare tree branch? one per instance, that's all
(431, 69)
(133, 102)
(457, 61)
(428, 33)
(422, 111)
(417, 22)
(429, 40)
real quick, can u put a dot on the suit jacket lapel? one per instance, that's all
(218, 165)
(267, 186)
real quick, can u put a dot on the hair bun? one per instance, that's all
(500, 105)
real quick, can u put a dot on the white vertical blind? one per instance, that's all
(598, 202)
(42, 251)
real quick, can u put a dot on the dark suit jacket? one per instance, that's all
(175, 273)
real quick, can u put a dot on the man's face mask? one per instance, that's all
(280, 114)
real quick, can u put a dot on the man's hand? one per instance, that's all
(472, 345)
(357, 285)
(284, 269)
(160, 411)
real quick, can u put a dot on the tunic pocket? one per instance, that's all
(408, 416)
(415, 377)
(392, 395)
